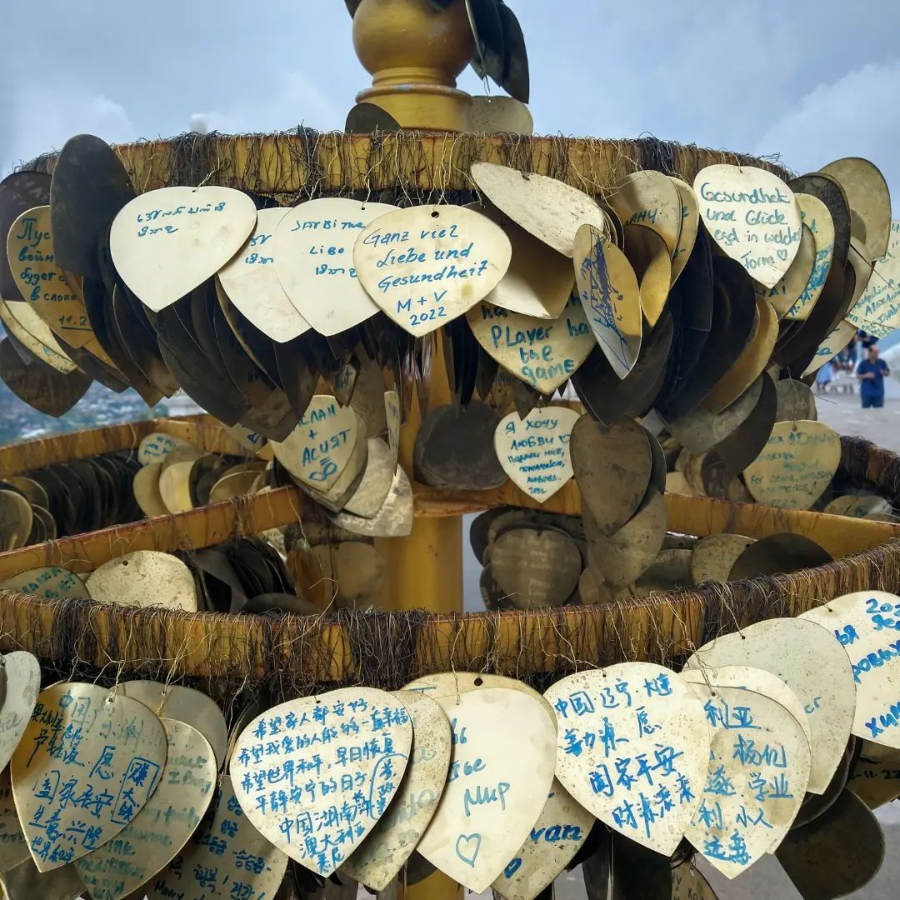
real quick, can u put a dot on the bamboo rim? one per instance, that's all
(202, 430)
(659, 628)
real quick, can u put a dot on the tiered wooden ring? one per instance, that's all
(867, 556)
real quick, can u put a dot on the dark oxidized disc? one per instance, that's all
(490, 42)
(39, 385)
(89, 187)
(830, 192)
(296, 375)
(837, 853)
(727, 459)
(516, 79)
(367, 118)
(779, 554)
(607, 397)
(455, 449)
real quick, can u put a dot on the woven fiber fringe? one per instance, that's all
(412, 167)
(868, 466)
(273, 658)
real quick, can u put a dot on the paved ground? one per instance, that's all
(845, 414)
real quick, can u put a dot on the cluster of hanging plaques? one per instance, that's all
(534, 559)
(655, 295)
(305, 569)
(164, 475)
(67, 498)
(777, 739)
(678, 312)
(175, 476)
(242, 575)
(619, 547)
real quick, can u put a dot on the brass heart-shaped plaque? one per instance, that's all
(86, 766)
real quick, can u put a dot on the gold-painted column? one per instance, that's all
(414, 53)
(424, 571)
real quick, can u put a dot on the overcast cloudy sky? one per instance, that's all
(811, 79)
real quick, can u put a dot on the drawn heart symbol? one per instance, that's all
(783, 255)
(502, 769)
(467, 847)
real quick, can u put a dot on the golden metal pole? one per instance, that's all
(424, 571)
(414, 53)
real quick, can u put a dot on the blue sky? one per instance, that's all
(810, 80)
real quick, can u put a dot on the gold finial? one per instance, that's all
(414, 53)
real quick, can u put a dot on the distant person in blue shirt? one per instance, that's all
(871, 373)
